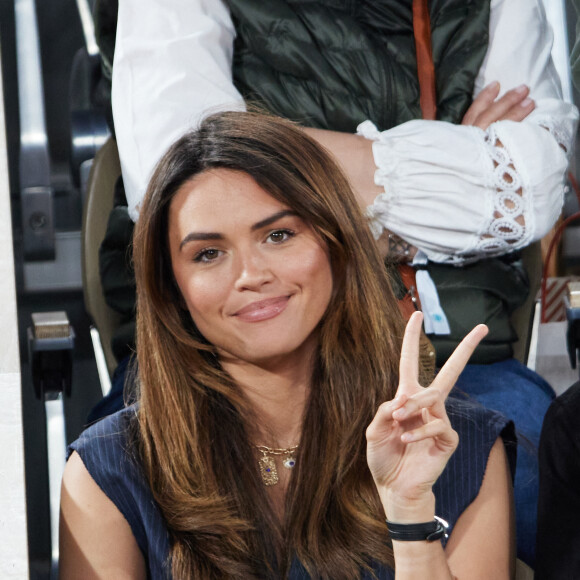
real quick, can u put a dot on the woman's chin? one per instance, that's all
(267, 353)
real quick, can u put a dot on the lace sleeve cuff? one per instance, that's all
(459, 193)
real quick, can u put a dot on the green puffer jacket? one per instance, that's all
(332, 64)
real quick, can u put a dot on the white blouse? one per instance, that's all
(449, 189)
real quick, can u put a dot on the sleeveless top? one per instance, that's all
(106, 451)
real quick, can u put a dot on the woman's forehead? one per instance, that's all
(220, 196)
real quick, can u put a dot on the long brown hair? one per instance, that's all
(193, 417)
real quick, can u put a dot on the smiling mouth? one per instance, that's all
(263, 309)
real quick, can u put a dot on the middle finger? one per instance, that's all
(502, 107)
(447, 376)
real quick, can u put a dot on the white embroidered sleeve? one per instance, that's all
(459, 193)
(173, 62)
(453, 192)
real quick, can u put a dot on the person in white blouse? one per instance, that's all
(459, 193)
(179, 53)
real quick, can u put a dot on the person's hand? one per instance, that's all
(486, 108)
(410, 438)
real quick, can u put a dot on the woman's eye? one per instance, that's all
(280, 236)
(208, 255)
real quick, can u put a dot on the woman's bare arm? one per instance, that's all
(482, 544)
(96, 541)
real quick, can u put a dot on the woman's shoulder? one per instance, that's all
(112, 425)
(109, 451)
(109, 437)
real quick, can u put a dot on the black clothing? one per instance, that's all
(558, 536)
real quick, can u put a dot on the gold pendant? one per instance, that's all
(268, 470)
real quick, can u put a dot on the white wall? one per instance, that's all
(13, 537)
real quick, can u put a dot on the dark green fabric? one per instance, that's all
(332, 64)
(485, 292)
(343, 61)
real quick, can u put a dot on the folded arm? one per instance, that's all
(457, 192)
(461, 193)
(360, 154)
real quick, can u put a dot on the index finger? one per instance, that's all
(409, 363)
(447, 376)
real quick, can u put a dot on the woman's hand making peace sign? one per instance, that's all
(410, 440)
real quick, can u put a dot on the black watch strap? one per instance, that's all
(429, 531)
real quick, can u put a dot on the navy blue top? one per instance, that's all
(110, 460)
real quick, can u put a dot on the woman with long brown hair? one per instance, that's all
(269, 342)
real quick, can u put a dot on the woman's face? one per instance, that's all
(254, 276)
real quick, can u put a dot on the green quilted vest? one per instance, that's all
(332, 64)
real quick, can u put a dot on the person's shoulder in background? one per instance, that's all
(558, 537)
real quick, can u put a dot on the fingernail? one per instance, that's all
(492, 85)
(406, 437)
(521, 89)
(526, 102)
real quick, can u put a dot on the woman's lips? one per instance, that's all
(262, 309)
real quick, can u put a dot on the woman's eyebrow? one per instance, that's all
(195, 236)
(273, 218)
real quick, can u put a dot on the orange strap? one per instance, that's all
(410, 301)
(426, 75)
(425, 66)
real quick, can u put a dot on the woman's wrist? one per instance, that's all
(405, 510)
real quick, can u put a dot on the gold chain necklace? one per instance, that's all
(267, 464)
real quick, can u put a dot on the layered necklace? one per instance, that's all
(267, 462)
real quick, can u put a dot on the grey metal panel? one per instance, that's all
(62, 273)
(35, 187)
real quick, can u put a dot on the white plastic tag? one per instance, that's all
(434, 318)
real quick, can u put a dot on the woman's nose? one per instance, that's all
(254, 270)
